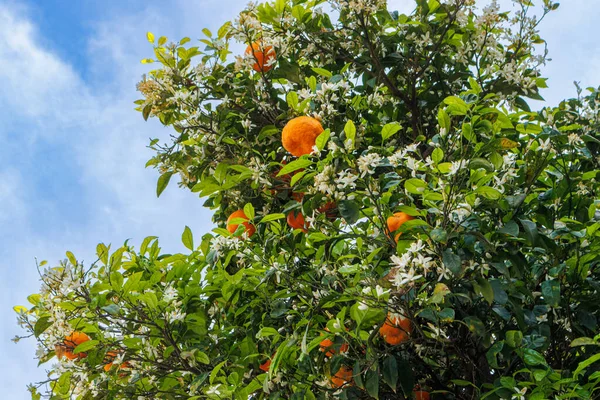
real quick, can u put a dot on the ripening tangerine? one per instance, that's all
(297, 196)
(329, 209)
(69, 344)
(296, 221)
(109, 358)
(262, 56)
(342, 376)
(328, 346)
(396, 221)
(266, 365)
(421, 395)
(250, 229)
(395, 330)
(300, 134)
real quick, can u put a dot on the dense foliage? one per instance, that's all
(443, 239)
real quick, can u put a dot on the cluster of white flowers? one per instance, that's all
(360, 6)
(456, 166)
(462, 211)
(170, 294)
(489, 16)
(221, 244)
(411, 265)
(346, 180)
(260, 171)
(367, 163)
(324, 181)
(507, 173)
(325, 98)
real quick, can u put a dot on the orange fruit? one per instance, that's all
(262, 55)
(421, 395)
(69, 344)
(342, 377)
(329, 209)
(297, 221)
(250, 229)
(299, 135)
(327, 346)
(266, 365)
(395, 331)
(396, 221)
(298, 196)
(110, 356)
(124, 365)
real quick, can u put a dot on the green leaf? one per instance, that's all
(272, 217)
(71, 258)
(456, 105)
(41, 325)
(389, 130)
(447, 315)
(292, 100)
(474, 85)
(323, 72)
(86, 346)
(163, 181)
(390, 372)
(531, 232)
(102, 253)
(415, 186)
(551, 292)
(492, 354)
(467, 132)
(349, 210)
(452, 262)
(439, 235)
(146, 110)
(34, 298)
(249, 211)
(187, 238)
(584, 341)
(511, 228)
(150, 37)
(485, 289)
(522, 104)
(112, 309)
(294, 166)
(202, 357)
(350, 130)
(489, 192)
(407, 380)
(443, 120)
(356, 372)
(322, 139)
(413, 212)
(437, 155)
(215, 371)
(298, 175)
(372, 382)
(477, 163)
(475, 325)
(532, 357)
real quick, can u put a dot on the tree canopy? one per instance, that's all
(393, 220)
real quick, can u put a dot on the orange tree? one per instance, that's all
(394, 221)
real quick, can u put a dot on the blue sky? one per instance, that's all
(73, 150)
